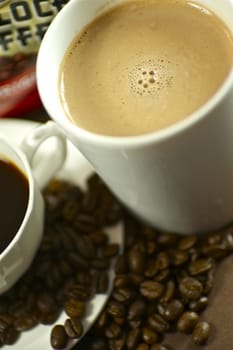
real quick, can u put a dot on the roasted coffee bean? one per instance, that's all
(173, 310)
(151, 290)
(178, 257)
(186, 243)
(46, 303)
(113, 331)
(117, 344)
(200, 266)
(100, 282)
(166, 240)
(132, 339)
(123, 294)
(169, 292)
(136, 259)
(58, 337)
(135, 323)
(25, 323)
(158, 323)
(73, 328)
(79, 291)
(9, 336)
(201, 333)
(164, 260)
(199, 305)
(163, 276)
(151, 247)
(121, 265)
(85, 246)
(190, 288)
(110, 250)
(77, 261)
(116, 309)
(137, 310)
(100, 263)
(152, 269)
(98, 344)
(187, 322)
(149, 336)
(74, 308)
(209, 282)
(122, 281)
(135, 279)
(99, 238)
(85, 223)
(47, 318)
(4, 324)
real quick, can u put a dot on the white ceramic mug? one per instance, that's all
(177, 179)
(18, 255)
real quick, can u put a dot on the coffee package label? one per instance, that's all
(23, 24)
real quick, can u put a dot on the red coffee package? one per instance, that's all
(23, 24)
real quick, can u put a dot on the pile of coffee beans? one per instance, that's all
(162, 281)
(71, 266)
(162, 284)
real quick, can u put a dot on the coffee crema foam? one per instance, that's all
(143, 66)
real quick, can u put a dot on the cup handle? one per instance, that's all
(44, 168)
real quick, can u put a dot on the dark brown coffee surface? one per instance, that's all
(14, 190)
(144, 66)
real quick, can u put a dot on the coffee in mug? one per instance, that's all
(143, 66)
(14, 189)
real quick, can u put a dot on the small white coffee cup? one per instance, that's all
(177, 179)
(18, 255)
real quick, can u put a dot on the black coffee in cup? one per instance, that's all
(14, 195)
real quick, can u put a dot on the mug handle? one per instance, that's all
(44, 168)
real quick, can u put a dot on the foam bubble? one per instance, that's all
(149, 77)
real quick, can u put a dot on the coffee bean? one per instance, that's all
(201, 333)
(187, 322)
(137, 310)
(117, 344)
(187, 243)
(74, 308)
(110, 250)
(173, 310)
(149, 336)
(25, 323)
(168, 295)
(132, 339)
(73, 328)
(136, 259)
(121, 265)
(200, 266)
(158, 323)
(59, 337)
(151, 290)
(113, 331)
(199, 305)
(190, 288)
(115, 309)
(123, 294)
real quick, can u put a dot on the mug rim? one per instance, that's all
(25, 169)
(134, 141)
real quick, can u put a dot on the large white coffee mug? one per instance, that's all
(177, 179)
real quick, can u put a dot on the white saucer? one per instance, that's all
(76, 170)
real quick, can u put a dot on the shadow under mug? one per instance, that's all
(178, 179)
